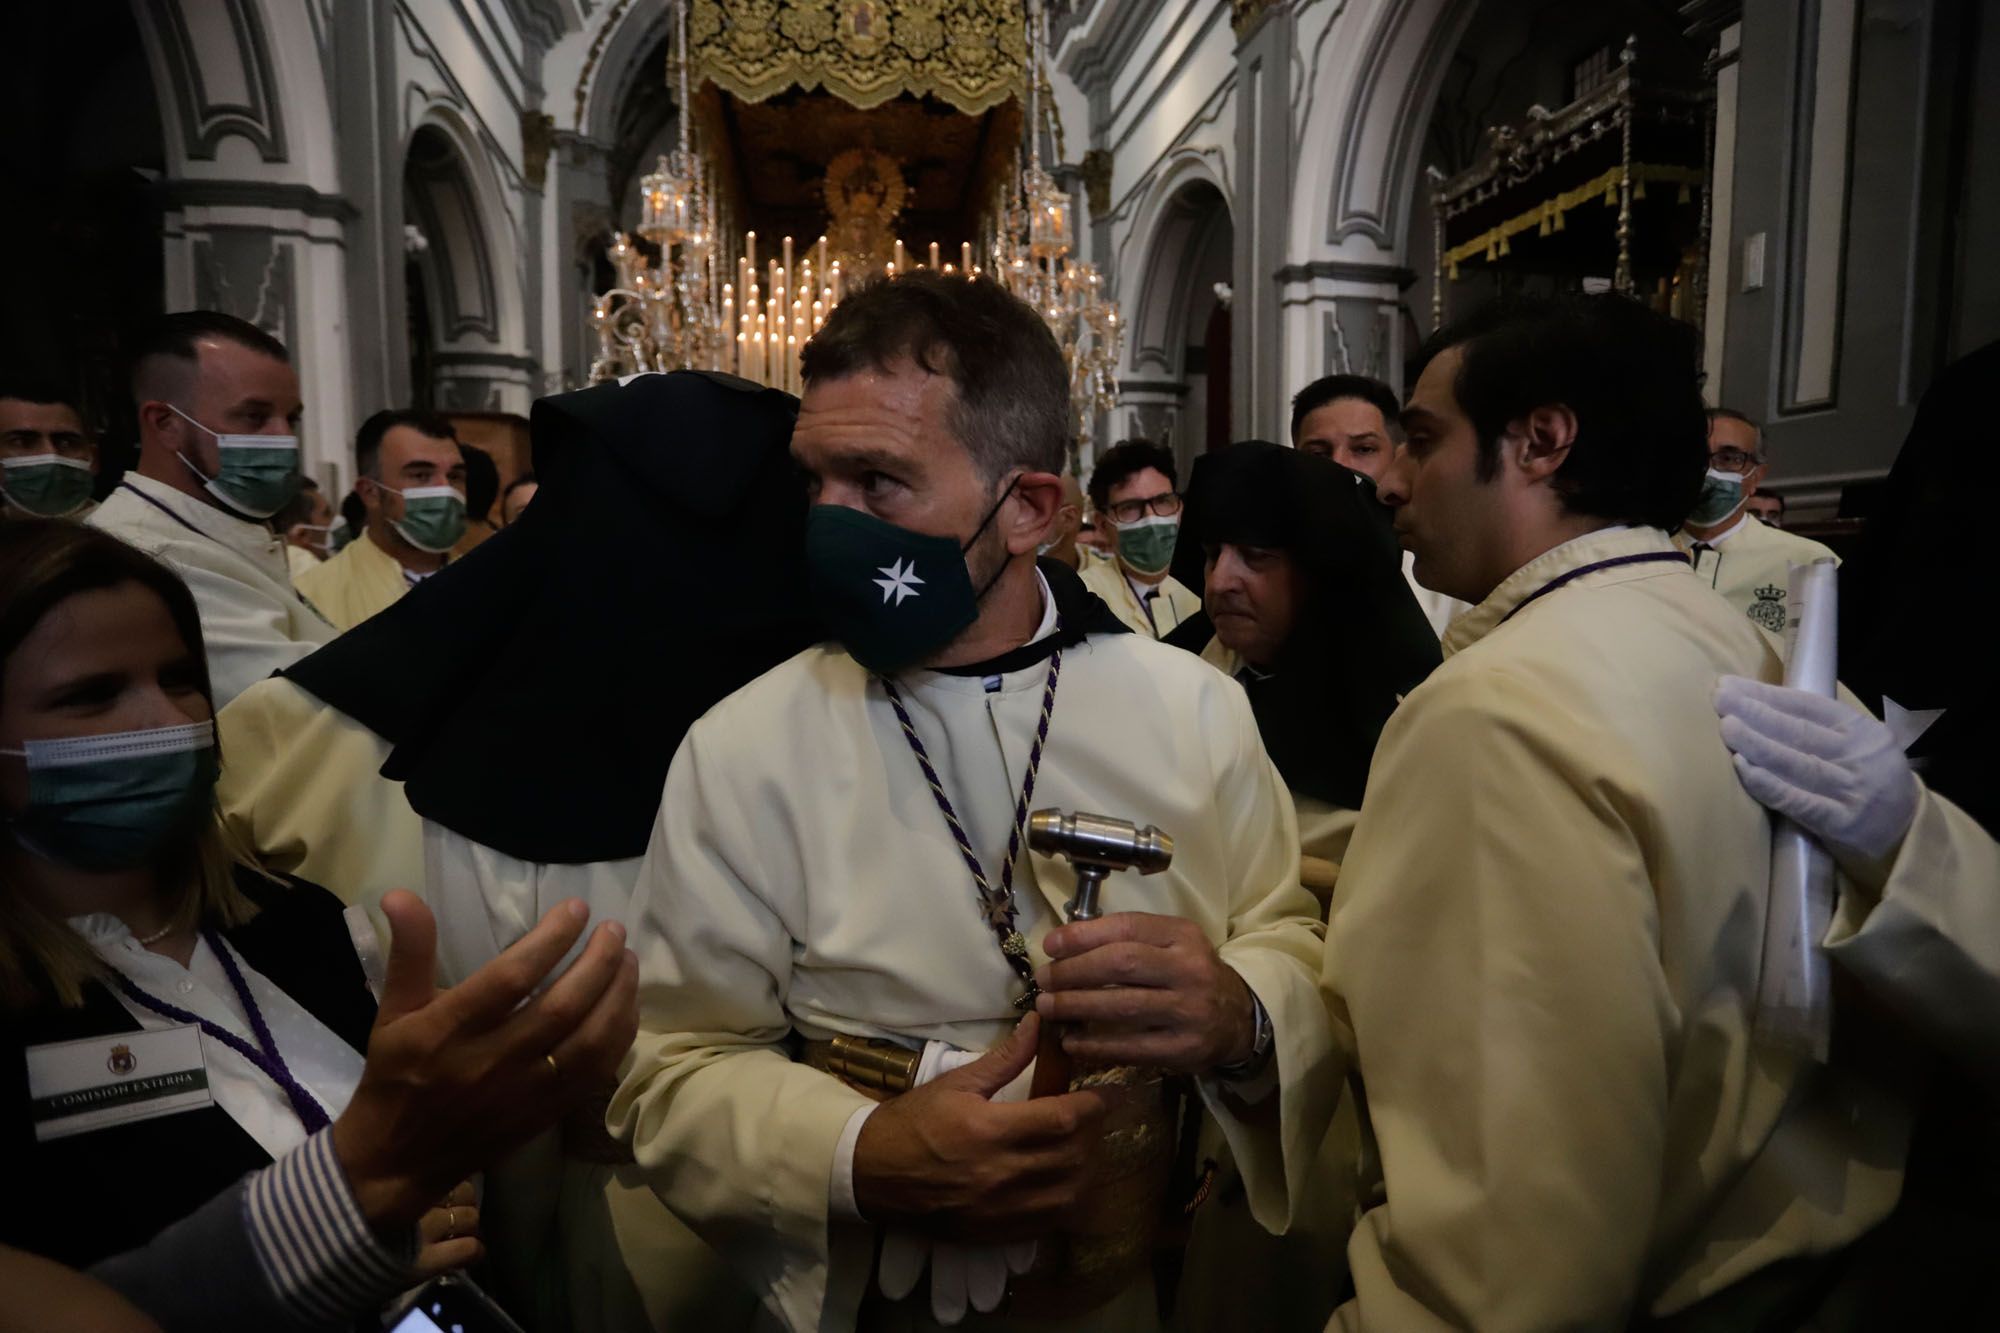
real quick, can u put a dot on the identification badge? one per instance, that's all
(77, 1086)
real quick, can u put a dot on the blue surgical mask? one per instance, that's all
(259, 473)
(1721, 496)
(112, 802)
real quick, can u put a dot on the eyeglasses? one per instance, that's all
(1164, 505)
(1733, 460)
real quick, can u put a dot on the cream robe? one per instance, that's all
(1543, 950)
(253, 622)
(1324, 828)
(1750, 565)
(298, 559)
(585, 1245)
(358, 581)
(801, 878)
(1438, 608)
(1175, 603)
(1928, 937)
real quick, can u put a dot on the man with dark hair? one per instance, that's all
(307, 523)
(1133, 495)
(1767, 507)
(482, 491)
(219, 408)
(841, 921)
(1748, 562)
(516, 498)
(1346, 418)
(48, 462)
(411, 480)
(1548, 937)
(1351, 420)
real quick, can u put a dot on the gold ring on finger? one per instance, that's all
(451, 1223)
(554, 1068)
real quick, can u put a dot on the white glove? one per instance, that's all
(1833, 770)
(961, 1275)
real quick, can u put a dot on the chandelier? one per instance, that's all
(756, 322)
(665, 318)
(1031, 259)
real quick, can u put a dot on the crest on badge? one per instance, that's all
(122, 1061)
(1769, 608)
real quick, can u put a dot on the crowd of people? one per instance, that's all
(818, 863)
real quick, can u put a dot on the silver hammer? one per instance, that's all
(1096, 845)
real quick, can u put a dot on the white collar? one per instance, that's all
(1742, 517)
(220, 525)
(1048, 625)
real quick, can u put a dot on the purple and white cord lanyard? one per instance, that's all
(996, 901)
(268, 1061)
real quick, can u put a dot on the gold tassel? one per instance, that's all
(1505, 247)
(1452, 272)
(1546, 226)
(1639, 188)
(1559, 221)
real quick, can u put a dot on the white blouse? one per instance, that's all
(320, 1061)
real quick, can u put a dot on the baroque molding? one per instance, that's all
(278, 196)
(206, 122)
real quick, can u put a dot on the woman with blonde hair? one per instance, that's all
(172, 1017)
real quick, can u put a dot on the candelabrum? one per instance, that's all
(665, 318)
(756, 322)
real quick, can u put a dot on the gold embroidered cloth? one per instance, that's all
(968, 53)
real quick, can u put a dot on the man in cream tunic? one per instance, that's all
(803, 880)
(1548, 935)
(202, 378)
(1734, 552)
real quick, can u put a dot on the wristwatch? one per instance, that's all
(1261, 1038)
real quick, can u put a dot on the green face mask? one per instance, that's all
(891, 596)
(260, 473)
(1147, 546)
(46, 485)
(113, 802)
(433, 517)
(1721, 496)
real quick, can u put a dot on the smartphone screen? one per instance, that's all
(453, 1305)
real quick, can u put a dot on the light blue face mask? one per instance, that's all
(1721, 496)
(259, 473)
(112, 802)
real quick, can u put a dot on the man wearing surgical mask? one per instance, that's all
(48, 462)
(413, 485)
(219, 408)
(1132, 493)
(1748, 562)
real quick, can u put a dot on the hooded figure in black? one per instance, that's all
(536, 690)
(1358, 640)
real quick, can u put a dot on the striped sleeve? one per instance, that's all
(316, 1250)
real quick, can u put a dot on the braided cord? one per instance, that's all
(311, 1114)
(997, 902)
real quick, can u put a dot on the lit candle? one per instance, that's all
(822, 254)
(899, 255)
(965, 255)
(934, 256)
